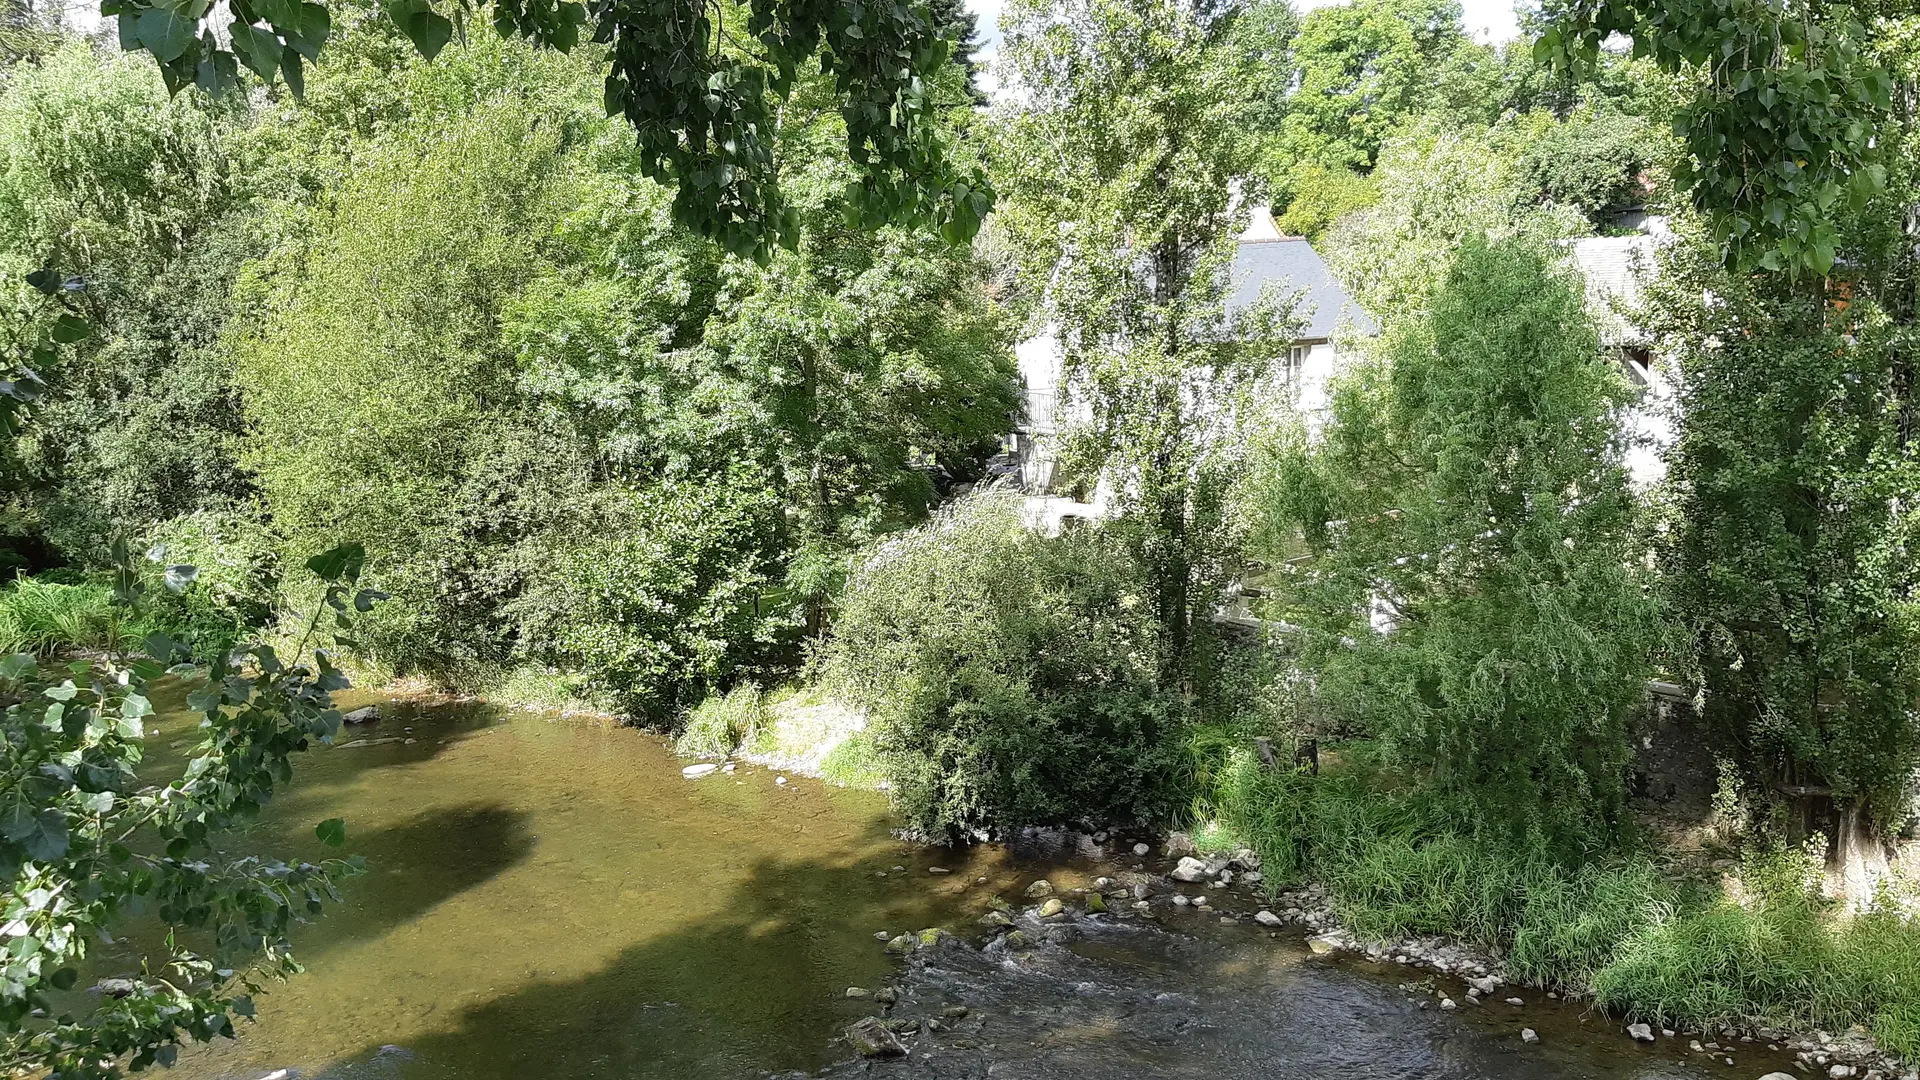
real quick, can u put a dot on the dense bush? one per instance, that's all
(1009, 676)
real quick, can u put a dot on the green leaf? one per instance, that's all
(257, 48)
(18, 665)
(164, 34)
(178, 847)
(44, 280)
(332, 832)
(310, 30)
(335, 564)
(63, 979)
(291, 71)
(69, 328)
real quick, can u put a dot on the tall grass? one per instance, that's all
(1617, 926)
(720, 724)
(44, 617)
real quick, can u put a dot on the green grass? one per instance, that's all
(718, 726)
(45, 617)
(854, 763)
(1619, 927)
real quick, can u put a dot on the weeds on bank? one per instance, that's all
(1620, 928)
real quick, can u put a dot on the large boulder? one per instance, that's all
(364, 715)
(871, 1039)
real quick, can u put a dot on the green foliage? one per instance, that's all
(86, 847)
(1794, 479)
(44, 617)
(723, 723)
(706, 107)
(1781, 126)
(1470, 600)
(1009, 677)
(1320, 196)
(1778, 955)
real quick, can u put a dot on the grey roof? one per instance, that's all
(1292, 262)
(1612, 266)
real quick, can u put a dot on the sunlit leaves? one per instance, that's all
(1779, 134)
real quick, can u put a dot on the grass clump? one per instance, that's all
(722, 723)
(43, 617)
(855, 763)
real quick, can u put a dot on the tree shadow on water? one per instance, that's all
(758, 985)
(417, 864)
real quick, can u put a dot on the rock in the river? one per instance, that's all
(900, 946)
(1190, 869)
(1181, 900)
(1040, 888)
(1096, 904)
(1447, 1005)
(1486, 984)
(1051, 908)
(995, 919)
(1640, 1032)
(872, 1039)
(1141, 849)
(1528, 1035)
(938, 870)
(932, 936)
(954, 1012)
(1268, 918)
(886, 995)
(1179, 843)
(858, 992)
(115, 988)
(695, 772)
(1516, 1001)
(1779, 1076)
(780, 780)
(1322, 944)
(1018, 940)
(881, 935)
(364, 715)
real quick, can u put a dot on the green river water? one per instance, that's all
(551, 898)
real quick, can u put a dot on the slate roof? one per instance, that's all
(1611, 266)
(1292, 262)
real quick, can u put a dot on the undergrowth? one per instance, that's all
(1619, 926)
(43, 617)
(721, 723)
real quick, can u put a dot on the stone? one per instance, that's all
(886, 995)
(695, 772)
(858, 992)
(995, 919)
(954, 1012)
(1245, 859)
(115, 988)
(1839, 1072)
(900, 946)
(1040, 888)
(1181, 900)
(932, 936)
(1189, 869)
(1018, 940)
(1051, 908)
(881, 935)
(1640, 1032)
(1142, 905)
(938, 870)
(1199, 901)
(1322, 944)
(1515, 1001)
(1268, 918)
(1141, 849)
(780, 780)
(871, 1039)
(366, 714)
(1486, 984)
(1446, 1004)
(1096, 904)
(1779, 1076)
(1528, 1035)
(1178, 843)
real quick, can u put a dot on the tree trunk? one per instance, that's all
(1857, 863)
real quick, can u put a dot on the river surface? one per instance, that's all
(550, 898)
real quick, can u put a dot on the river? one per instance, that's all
(550, 898)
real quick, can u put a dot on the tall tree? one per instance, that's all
(1125, 154)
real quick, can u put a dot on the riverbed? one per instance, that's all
(549, 897)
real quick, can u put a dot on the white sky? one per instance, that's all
(1487, 20)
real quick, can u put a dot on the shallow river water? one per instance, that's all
(550, 898)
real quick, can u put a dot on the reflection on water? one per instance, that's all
(551, 898)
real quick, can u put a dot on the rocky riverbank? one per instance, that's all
(1167, 882)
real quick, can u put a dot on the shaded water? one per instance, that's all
(552, 899)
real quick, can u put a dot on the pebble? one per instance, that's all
(858, 992)
(938, 870)
(1640, 1032)
(780, 780)
(1141, 849)
(1051, 908)
(881, 935)
(1528, 1035)
(1515, 1001)
(1446, 1004)
(1267, 918)
(1040, 888)
(1199, 901)
(695, 772)
(1179, 900)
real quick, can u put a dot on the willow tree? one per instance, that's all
(1124, 157)
(1470, 601)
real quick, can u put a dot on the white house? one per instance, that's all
(1264, 258)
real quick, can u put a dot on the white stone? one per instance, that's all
(1446, 1003)
(1640, 1032)
(1268, 918)
(1485, 985)
(780, 780)
(1322, 944)
(1528, 1035)
(1180, 900)
(695, 772)
(1141, 849)
(1189, 869)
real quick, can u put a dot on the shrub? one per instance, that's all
(1009, 677)
(44, 617)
